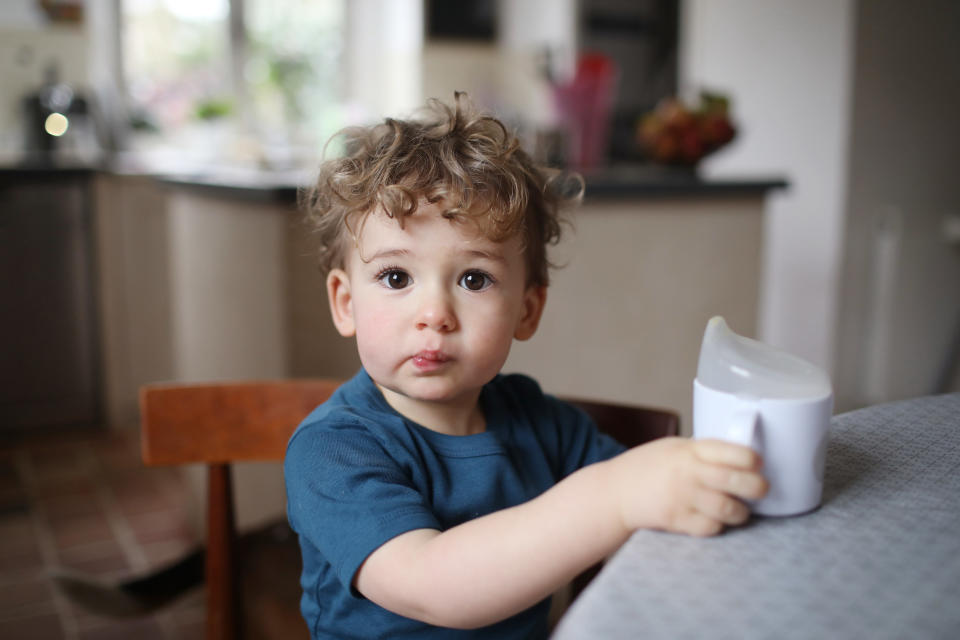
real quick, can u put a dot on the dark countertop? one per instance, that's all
(652, 181)
(40, 173)
(624, 182)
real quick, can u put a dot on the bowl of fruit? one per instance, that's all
(679, 135)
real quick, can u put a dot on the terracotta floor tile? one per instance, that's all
(17, 532)
(19, 550)
(71, 532)
(63, 486)
(140, 494)
(106, 567)
(131, 480)
(15, 596)
(87, 619)
(146, 629)
(187, 616)
(13, 500)
(165, 552)
(84, 503)
(60, 460)
(80, 553)
(39, 627)
(140, 629)
(171, 482)
(119, 454)
(27, 562)
(159, 526)
(193, 630)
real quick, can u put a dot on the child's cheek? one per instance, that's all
(371, 353)
(375, 319)
(375, 334)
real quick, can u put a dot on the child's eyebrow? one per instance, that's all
(488, 255)
(493, 256)
(389, 253)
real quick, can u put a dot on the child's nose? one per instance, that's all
(436, 312)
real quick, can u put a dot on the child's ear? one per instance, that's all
(534, 299)
(341, 302)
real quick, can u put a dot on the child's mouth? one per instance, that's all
(429, 360)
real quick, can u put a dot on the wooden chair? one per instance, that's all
(217, 424)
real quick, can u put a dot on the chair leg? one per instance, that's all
(222, 579)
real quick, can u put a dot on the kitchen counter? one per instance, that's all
(39, 172)
(282, 187)
(643, 181)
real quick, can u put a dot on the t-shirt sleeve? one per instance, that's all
(347, 496)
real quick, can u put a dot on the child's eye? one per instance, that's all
(394, 278)
(475, 281)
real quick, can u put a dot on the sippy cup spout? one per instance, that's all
(735, 364)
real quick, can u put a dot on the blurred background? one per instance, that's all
(788, 165)
(847, 102)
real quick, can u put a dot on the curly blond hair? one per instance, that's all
(466, 161)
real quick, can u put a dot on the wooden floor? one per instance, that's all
(82, 502)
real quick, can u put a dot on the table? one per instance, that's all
(879, 559)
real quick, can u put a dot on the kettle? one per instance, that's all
(57, 123)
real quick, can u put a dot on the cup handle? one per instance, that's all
(743, 428)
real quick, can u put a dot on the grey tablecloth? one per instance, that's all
(879, 559)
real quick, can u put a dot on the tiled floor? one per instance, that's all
(82, 501)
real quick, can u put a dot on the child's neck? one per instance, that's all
(462, 417)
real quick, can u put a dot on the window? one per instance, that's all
(249, 82)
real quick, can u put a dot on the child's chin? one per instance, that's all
(434, 391)
(439, 396)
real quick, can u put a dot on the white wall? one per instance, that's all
(383, 43)
(900, 306)
(787, 67)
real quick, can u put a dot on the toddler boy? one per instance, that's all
(432, 495)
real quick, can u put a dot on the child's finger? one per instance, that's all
(697, 524)
(727, 454)
(721, 507)
(749, 485)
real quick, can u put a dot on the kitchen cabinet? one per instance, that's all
(49, 370)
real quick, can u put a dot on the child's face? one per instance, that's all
(434, 306)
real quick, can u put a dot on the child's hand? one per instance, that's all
(687, 486)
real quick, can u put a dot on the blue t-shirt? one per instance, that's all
(358, 474)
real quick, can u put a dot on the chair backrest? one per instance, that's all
(220, 423)
(630, 425)
(225, 422)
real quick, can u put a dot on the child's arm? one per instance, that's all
(490, 568)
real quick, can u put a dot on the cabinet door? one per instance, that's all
(48, 367)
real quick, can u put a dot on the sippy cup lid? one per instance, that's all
(734, 364)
